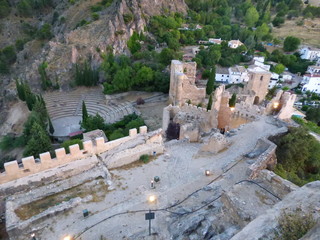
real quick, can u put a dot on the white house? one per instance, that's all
(273, 80)
(313, 69)
(234, 43)
(215, 40)
(222, 74)
(286, 76)
(309, 53)
(238, 74)
(312, 83)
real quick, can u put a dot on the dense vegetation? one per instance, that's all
(113, 131)
(121, 74)
(298, 155)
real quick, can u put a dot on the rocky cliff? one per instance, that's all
(72, 43)
(92, 39)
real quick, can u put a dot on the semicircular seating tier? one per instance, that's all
(69, 104)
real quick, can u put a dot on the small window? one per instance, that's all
(222, 75)
(261, 78)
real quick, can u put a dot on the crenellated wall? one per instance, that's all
(30, 165)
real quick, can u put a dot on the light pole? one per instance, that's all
(150, 215)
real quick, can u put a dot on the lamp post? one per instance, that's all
(33, 236)
(150, 215)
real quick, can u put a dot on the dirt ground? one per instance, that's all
(152, 114)
(308, 33)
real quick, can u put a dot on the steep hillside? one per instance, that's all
(78, 33)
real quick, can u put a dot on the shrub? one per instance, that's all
(68, 143)
(95, 16)
(140, 101)
(128, 17)
(144, 158)
(293, 226)
(96, 8)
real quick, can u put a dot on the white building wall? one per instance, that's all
(310, 54)
(312, 85)
(222, 77)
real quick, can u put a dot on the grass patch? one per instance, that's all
(311, 126)
(97, 191)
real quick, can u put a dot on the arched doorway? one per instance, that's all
(256, 100)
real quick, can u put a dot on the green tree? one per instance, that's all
(251, 17)
(144, 76)
(51, 128)
(262, 30)
(232, 101)
(40, 108)
(167, 55)
(45, 32)
(4, 8)
(291, 44)
(93, 123)
(122, 79)
(39, 142)
(24, 8)
(20, 90)
(134, 43)
(313, 114)
(209, 103)
(68, 143)
(84, 112)
(211, 81)
(45, 80)
(279, 68)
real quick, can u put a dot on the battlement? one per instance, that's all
(30, 165)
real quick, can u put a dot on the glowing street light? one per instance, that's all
(232, 109)
(152, 198)
(33, 236)
(67, 238)
(275, 105)
(207, 172)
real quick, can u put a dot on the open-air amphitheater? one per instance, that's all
(213, 186)
(65, 109)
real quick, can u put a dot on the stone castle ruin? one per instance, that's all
(195, 120)
(182, 84)
(32, 180)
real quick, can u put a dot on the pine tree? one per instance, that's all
(20, 90)
(51, 128)
(232, 101)
(84, 113)
(210, 83)
(209, 103)
(39, 142)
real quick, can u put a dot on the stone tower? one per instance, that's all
(182, 84)
(259, 80)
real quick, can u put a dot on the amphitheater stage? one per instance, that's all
(66, 125)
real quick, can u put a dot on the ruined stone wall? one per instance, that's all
(195, 119)
(287, 100)
(247, 110)
(224, 116)
(279, 186)
(267, 159)
(30, 166)
(182, 84)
